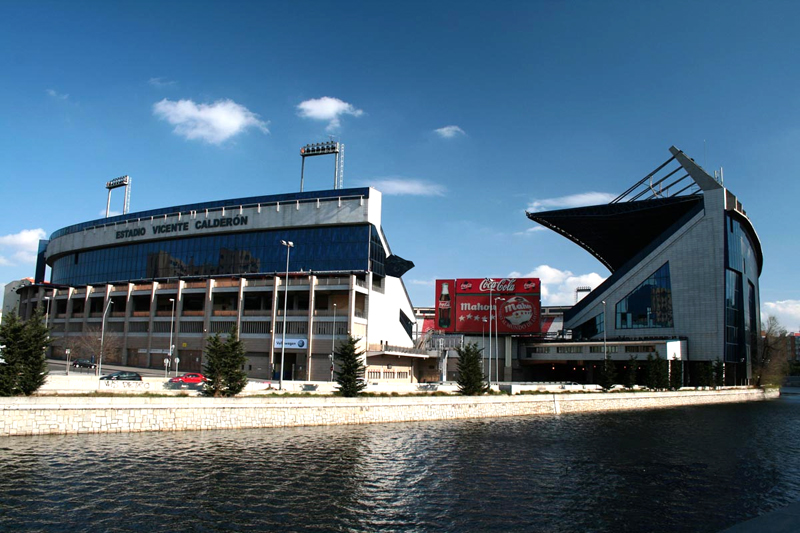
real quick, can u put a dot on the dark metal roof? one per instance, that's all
(615, 233)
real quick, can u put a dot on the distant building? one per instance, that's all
(10, 295)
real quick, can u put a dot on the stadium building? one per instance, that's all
(294, 273)
(685, 261)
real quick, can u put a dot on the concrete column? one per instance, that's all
(312, 291)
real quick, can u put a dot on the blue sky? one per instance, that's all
(464, 114)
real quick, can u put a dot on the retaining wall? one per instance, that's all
(60, 415)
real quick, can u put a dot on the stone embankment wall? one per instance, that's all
(59, 415)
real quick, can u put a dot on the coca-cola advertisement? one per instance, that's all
(466, 305)
(444, 305)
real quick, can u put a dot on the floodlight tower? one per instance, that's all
(326, 148)
(122, 181)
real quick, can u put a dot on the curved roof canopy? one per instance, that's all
(615, 233)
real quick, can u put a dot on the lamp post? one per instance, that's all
(333, 340)
(605, 322)
(103, 337)
(47, 314)
(289, 245)
(490, 282)
(497, 340)
(171, 321)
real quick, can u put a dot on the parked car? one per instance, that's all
(83, 363)
(189, 378)
(123, 375)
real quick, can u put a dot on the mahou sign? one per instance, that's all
(465, 305)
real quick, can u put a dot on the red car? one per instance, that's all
(189, 378)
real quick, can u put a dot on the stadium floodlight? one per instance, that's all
(122, 181)
(324, 148)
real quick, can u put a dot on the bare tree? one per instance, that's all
(87, 346)
(770, 364)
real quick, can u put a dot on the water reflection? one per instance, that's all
(689, 469)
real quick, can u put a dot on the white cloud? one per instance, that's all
(410, 187)
(161, 82)
(786, 311)
(449, 132)
(558, 286)
(327, 109)
(20, 248)
(213, 123)
(57, 95)
(573, 200)
(530, 231)
(424, 282)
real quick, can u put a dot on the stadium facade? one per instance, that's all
(171, 277)
(685, 261)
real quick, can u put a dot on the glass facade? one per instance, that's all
(329, 248)
(590, 328)
(649, 305)
(742, 321)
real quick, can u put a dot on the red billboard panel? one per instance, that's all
(513, 304)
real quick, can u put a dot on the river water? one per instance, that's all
(690, 469)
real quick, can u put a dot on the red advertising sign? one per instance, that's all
(512, 303)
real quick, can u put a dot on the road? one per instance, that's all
(58, 366)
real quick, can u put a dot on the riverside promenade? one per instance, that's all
(41, 415)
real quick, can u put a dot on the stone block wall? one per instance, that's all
(64, 415)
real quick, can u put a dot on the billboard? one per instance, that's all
(465, 305)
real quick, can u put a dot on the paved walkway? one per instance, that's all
(785, 520)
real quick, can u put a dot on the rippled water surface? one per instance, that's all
(689, 469)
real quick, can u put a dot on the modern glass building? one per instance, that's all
(157, 283)
(684, 260)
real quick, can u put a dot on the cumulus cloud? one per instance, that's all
(161, 83)
(213, 123)
(786, 311)
(57, 95)
(558, 286)
(327, 109)
(530, 231)
(449, 132)
(20, 248)
(573, 200)
(408, 187)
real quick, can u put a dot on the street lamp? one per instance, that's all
(490, 282)
(289, 245)
(605, 322)
(47, 314)
(171, 320)
(102, 338)
(497, 340)
(333, 340)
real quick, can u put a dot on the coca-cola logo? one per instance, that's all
(530, 284)
(466, 285)
(503, 285)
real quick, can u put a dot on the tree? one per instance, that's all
(703, 374)
(35, 339)
(24, 369)
(770, 362)
(223, 367)
(608, 373)
(630, 372)
(350, 375)
(662, 372)
(471, 380)
(87, 345)
(719, 373)
(650, 372)
(675, 374)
